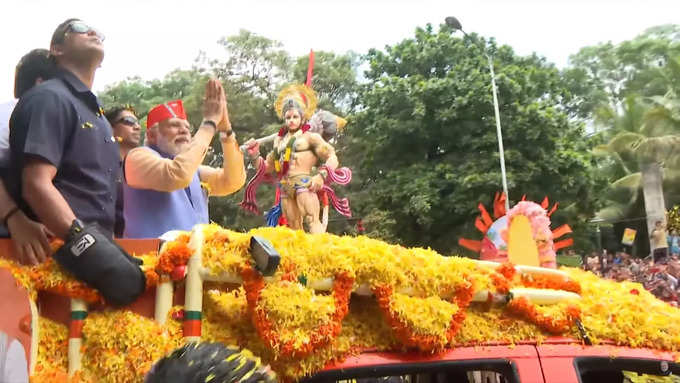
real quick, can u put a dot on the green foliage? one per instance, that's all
(334, 79)
(608, 73)
(639, 131)
(673, 219)
(628, 94)
(428, 144)
(144, 95)
(569, 260)
(253, 64)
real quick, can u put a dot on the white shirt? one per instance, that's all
(13, 364)
(6, 109)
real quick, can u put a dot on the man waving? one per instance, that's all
(166, 187)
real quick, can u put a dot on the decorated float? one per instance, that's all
(306, 302)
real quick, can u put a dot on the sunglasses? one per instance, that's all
(127, 120)
(81, 27)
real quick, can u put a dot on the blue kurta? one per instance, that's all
(149, 213)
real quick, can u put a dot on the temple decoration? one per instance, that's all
(522, 236)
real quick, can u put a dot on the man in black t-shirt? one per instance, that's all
(64, 165)
(62, 146)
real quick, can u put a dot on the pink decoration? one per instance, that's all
(341, 205)
(249, 202)
(540, 228)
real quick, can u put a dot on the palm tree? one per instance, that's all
(644, 150)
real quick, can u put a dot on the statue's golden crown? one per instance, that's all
(302, 95)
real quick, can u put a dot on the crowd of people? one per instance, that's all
(661, 278)
(659, 272)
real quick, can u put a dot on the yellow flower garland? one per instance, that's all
(121, 346)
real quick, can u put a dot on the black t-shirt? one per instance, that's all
(60, 121)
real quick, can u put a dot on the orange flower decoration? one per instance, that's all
(523, 309)
(426, 343)
(549, 281)
(253, 283)
(176, 253)
(507, 270)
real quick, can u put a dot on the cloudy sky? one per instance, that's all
(149, 38)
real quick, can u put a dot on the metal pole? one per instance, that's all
(499, 133)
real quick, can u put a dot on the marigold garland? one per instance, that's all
(500, 282)
(427, 343)
(253, 284)
(176, 253)
(550, 281)
(49, 276)
(125, 345)
(57, 375)
(52, 360)
(507, 270)
(522, 308)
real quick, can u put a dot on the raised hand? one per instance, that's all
(253, 148)
(224, 125)
(214, 102)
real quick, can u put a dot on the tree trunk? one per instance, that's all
(652, 188)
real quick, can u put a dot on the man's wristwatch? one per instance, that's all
(225, 135)
(76, 227)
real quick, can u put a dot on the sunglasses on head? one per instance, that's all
(127, 120)
(81, 27)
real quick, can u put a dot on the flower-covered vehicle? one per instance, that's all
(324, 308)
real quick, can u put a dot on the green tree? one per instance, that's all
(335, 79)
(644, 135)
(187, 85)
(427, 138)
(606, 73)
(617, 89)
(253, 64)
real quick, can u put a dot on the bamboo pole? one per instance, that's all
(35, 336)
(164, 292)
(538, 296)
(75, 341)
(193, 298)
(531, 270)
